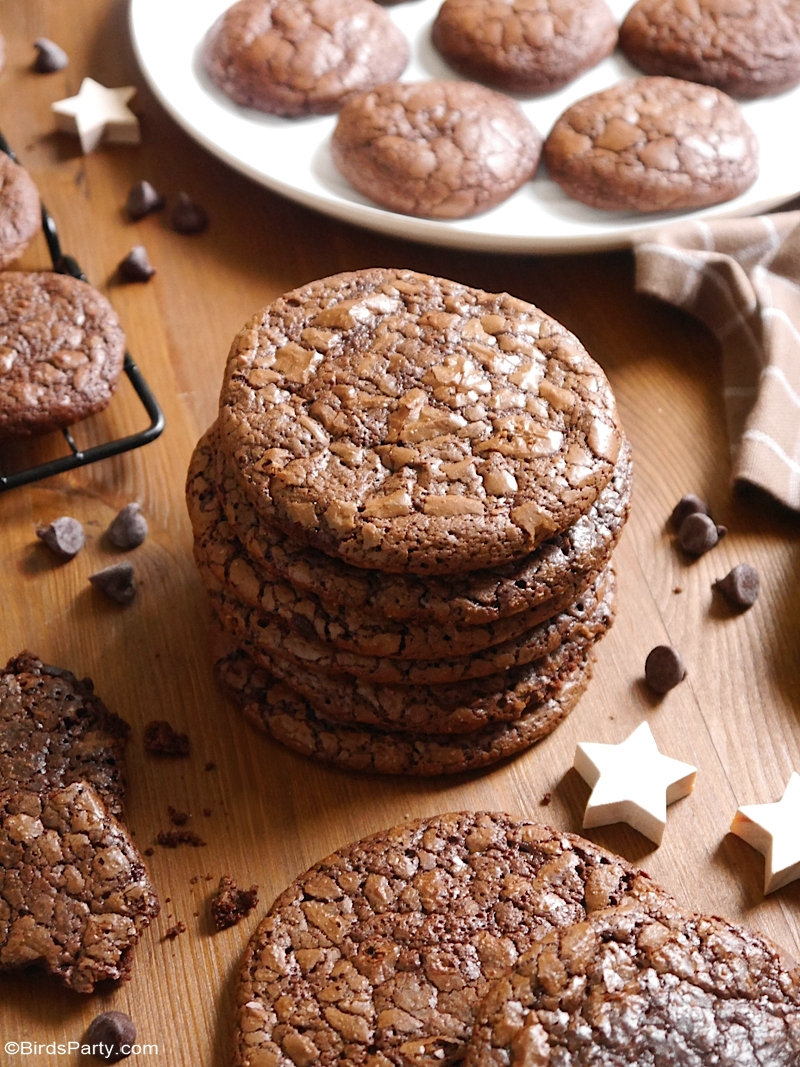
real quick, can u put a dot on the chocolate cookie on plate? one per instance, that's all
(749, 49)
(302, 57)
(524, 46)
(653, 144)
(435, 149)
(62, 350)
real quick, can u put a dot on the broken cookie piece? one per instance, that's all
(74, 892)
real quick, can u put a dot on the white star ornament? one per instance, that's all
(632, 782)
(98, 114)
(774, 829)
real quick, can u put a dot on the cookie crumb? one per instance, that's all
(177, 928)
(161, 739)
(177, 818)
(175, 838)
(210, 766)
(64, 536)
(230, 904)
(545, 798)
(110, 1033)
(116, 582)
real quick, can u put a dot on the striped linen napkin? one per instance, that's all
(741, 277)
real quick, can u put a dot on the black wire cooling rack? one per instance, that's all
(77, 457)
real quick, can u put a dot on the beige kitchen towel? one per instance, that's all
(741, 277)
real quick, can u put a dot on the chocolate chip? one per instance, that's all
(136, 266)
(116, 582)
(739, 586)
(49, 56)
(663, 668)
(698, 533)
(187, 216)
(129, 528)
(64, 536)
(689, 504)
(112, 1036)
(143, 200)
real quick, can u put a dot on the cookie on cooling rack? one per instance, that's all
(62, 350)
(20, 210)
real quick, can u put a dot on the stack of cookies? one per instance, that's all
(404, 517)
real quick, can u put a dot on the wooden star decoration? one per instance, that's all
(632, 782)
(98, 114)
(774, 829)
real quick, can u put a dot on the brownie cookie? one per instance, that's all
(748, 48)
(627, 986)
(279, 711)
(447, 707)
(74, 893)
(435, 149)
(55, 730)
(524, 46)
(413, 424)
(653, 144)
(549, 574)
(380, 952)
(20, 210)
(61, 351)
(301, 57)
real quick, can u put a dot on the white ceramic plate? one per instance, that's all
(291, 157)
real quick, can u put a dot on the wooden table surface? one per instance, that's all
(265, 813)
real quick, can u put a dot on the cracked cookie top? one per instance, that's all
(413, 424)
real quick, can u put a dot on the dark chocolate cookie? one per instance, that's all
(55, 730)
(20, 210)
(61, 351)
(653, 144)
(435, 149)
(380, 953)
(74, 893)
(627, 986)
(301, 57)
(748, 48)
(524, 46)
(549, 575)
(279, 711)
(411, 424)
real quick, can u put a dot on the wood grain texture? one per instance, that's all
(264, 813)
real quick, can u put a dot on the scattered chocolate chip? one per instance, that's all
(663, 668)
(109, 1034)
(739, 586)
(49, 56)
(136, 266)
(174, 838)
(187, 216)
(162, 740)
(129, 528)
(174, 931)
(64, 536)
(230, 903)
(689, 504)
(115, 582)
(143, 200)
(698, 533)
